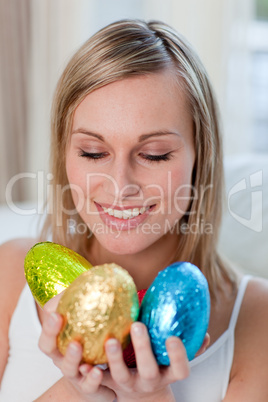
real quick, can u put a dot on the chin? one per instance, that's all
(123, 245)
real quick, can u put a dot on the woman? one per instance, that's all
(137, 164)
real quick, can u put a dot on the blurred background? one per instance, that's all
(37, 38)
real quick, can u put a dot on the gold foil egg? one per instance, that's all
(100, 304)
(50, 268)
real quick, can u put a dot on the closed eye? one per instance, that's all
(148, 157)
(156, 158)
(93, 155)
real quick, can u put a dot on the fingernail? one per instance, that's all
(73, 349)
(95, 373)
(137, 329)
(112, 345)
(173, 345)
(84, 370)
(53, 320)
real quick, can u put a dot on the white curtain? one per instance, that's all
(40, 36)
(14, 50)
(58, 28)
(236, 90)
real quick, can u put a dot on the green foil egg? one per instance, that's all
(50, 268)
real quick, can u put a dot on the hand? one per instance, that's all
(149, 381)
(85, 380)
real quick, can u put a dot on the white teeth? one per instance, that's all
(126, 213)
(118, 214)
(136, 212)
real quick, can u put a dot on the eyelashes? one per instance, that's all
(148, 157)
(93, 155)
(156, 158)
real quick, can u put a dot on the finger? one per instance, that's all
(71, 360)
(146, 363)
(204, 346)
(179, 364)
(117, 366)
(84, 369)
(48, 339)
(52, 304)
(92, 381)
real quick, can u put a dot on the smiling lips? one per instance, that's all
(125, 213)
(123, 219)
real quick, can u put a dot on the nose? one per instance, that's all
(120, 183)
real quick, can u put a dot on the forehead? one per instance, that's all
(136, 103)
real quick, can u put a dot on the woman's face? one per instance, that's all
(130, 161)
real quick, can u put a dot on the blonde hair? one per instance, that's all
(132, 48)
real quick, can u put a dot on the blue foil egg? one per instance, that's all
(177, 304)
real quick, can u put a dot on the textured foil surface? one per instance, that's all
(50, 268)
(176, 304)
(100, 304)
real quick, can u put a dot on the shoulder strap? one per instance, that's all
(238, 301)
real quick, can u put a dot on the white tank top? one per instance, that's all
(29, 373)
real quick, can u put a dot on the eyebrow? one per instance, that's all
(83, 131)
(142, 137)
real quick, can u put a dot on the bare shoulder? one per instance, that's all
(254, 309)
(12, 252)
(252, 324)
(12, 279)
(250, 366)
(256, 293)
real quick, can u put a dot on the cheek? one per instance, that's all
(85, 187)
(182, 198)
(77, 183)
(181, 191)
(76, 174)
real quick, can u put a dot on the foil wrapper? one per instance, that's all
(176, 304)
(128, 352)
(100, 304)
(50, 268)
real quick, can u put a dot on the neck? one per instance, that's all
(142, 266)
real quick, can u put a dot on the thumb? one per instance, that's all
(52, 304)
